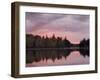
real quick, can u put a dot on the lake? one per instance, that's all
(56, 57)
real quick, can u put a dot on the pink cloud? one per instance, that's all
(74, 27)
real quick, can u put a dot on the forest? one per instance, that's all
(36, 41)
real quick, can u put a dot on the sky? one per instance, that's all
(74, 27)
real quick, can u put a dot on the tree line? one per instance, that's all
(36, 41)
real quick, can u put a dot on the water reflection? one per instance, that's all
(50, 57)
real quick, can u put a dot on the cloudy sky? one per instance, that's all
(73, 27)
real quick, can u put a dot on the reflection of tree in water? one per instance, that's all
(84, 52)
(38, 55)
(44, 48)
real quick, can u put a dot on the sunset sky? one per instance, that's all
(73, 27)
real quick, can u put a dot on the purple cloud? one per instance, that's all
(61, 23)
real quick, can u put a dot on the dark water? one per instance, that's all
(52, 57)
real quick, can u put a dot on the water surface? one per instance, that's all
(56, 57)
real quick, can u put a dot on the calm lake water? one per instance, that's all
(36, 58)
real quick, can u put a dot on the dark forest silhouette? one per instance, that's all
(43, 48)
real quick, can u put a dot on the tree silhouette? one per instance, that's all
(36, 41)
